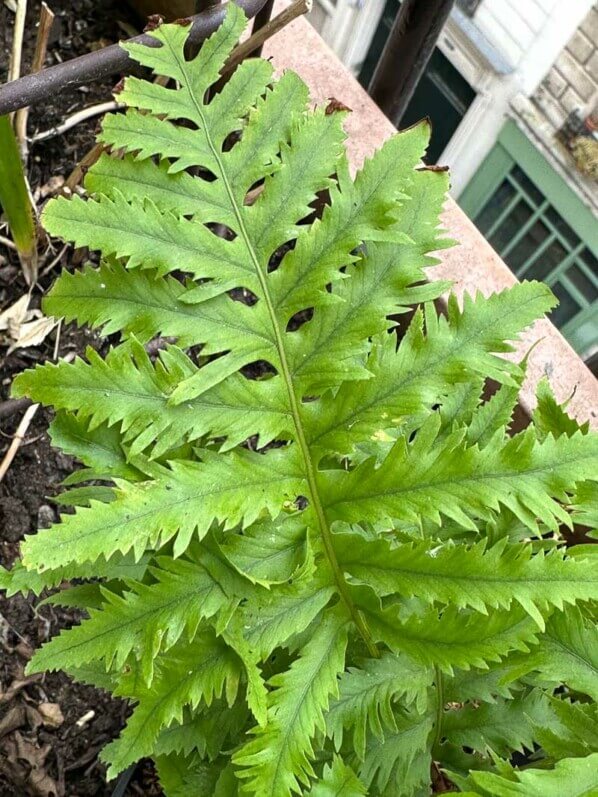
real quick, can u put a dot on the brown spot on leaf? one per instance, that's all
(336, 106)
(184, 22)
(433, 168)
(153, 22)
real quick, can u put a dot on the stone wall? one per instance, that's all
(572, 83)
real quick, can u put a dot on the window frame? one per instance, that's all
(513, 149)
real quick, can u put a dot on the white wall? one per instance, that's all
(530, 34)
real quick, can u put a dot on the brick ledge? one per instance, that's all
(472, 265)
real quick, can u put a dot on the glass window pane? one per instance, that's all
(562, 227)
(567, 307)
(590, 261)
(527, 246)
(526, 184)
(583, 283)
(520, 214)
(552, 257)
(495, 206)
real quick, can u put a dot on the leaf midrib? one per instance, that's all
(301, 439)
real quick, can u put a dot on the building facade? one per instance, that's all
(512, 91)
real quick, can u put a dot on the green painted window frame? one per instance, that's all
(514, 148)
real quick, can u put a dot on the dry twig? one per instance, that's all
(46, 18)
(77, 118)
(14, 69)
(17, 439)
(280, 21)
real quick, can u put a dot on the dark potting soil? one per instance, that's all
(51, 729)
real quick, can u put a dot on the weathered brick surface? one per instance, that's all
(580, 47)
(590, 25)
(575, 75)
(572, 83)
(571, 101)
(555, 83)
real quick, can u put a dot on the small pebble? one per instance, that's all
(45, 516)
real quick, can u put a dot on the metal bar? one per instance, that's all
(406, 54)
(535, 255)
(574, 292)
(502, 217)
(562, 267)
(99, 64)
(525, 228)
(261, 18)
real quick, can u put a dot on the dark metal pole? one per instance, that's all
(406, 53)
(261, 18)
(96, 65)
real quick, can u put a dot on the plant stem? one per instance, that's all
(439, 705)
(310, 470)
(16, 201)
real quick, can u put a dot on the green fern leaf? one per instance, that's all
(366, 697)
(454, 638)
(415, 481)
(415, 377)
(271, 619)
(99, 448)
(574, 731)
(149, 514)
(568, 652)
(314, 525)
(183, 775)
(505, 726)
(579, 774)
(338, 780)
(202, 670)
(126, 388)
(399, 765)
(469, 575)
(277, 761)
(203, 731)
(147, 618)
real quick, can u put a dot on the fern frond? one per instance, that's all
(494, 415)
(147, 618)
(277, 761)
(338, 780)
(271, 552)
(550, 417)
(202, 670)
(415, 376)
(366, 697)
(126, 388)
(272, 618)
(399, 765)
(183, 775)
(99, 448)
(568, 651)
(573, 732)
(300, 504)
(454, 638)
(173, 505)
(469, 575)
(579, 774)
(203, 731)
(460, 482)
(503, 726)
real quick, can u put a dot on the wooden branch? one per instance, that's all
(254, 42)
(46, 18)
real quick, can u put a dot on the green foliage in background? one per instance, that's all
(335, 573)
(15, 201)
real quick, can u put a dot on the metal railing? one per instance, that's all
(111, 60)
